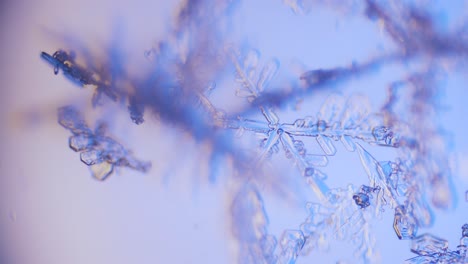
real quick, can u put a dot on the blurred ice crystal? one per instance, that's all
(427, 243)
(432, 249)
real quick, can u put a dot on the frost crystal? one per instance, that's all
(427, 243)
(432, 249)
(97, 150)
(404, 224)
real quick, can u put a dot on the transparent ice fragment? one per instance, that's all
(404, 223)
(250, 63)
(389, 169)
(81, 142)
(94, 147)
(267, 74)
(384, 135)
(101, 170)
(299, 146)
(291, 244)
(426, 244)
(326, 144)
(332, 109)
(72, 120)
(316, 160)
(91, 157)
(348, 142)
(356, 109)
(270, 116)
(287, 256)
(316, 181)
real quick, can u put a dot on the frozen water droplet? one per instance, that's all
(427, 244)
(102, 170)
(361, 199)
(321, 125)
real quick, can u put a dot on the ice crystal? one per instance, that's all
(97, 150)
(431, 249)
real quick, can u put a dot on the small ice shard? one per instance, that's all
(404, 223)
(101, 170)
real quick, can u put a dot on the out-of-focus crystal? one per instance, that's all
(426, 244)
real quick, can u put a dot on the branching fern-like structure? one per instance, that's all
(178, 91)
